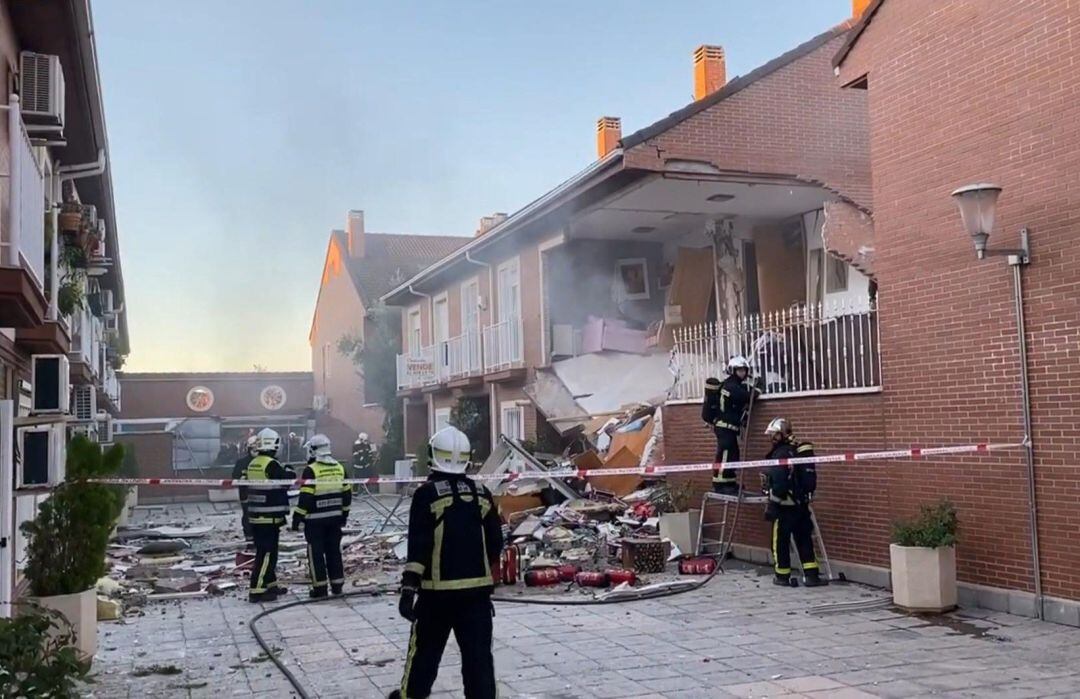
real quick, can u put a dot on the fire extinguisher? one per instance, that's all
(567, 571)
(508, 566)
(591, 579)
(620, 576)
(697, 566)
(542, 577)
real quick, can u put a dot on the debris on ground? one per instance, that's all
(148, 670)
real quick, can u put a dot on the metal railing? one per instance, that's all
(23, 239)
(462, 356)
(812, 349)
(417, 368)
(502, 345)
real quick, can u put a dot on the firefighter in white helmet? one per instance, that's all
(323, 509)
(455, 538)
(791, 489)
(268, 508)
(726, 408)
(363, 456)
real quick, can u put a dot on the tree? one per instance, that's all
(470, 415)
(375, 356)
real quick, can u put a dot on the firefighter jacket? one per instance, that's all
(793, 484)
(327, 497)
(455, 535)
(267, 504)
(239, 473)
(726, 404)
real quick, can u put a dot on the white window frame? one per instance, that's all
(440, 413)
(473, 282)
(513, 263)
(444, 300)
(511, 405)
(547, 245)
(415, 340)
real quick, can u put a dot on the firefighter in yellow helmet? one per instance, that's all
(323, 509)
(268, 508)
(455, 538)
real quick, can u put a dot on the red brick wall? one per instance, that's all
(962, 91)
(153, 453)
(795, 121)
(235, 394)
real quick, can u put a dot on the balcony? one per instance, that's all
(110, 390)
(87, 355)
(474, 353)
(22, 234)
(817, 349)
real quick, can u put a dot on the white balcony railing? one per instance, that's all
(111, 386)
(461, 356)
(808, 350)
(23, 238)
(417, 368)
(502, 345)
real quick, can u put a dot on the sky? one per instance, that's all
(242, 131)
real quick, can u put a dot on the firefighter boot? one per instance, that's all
(812, 578)
(396, 694)
(782, 579)
(336, 588)
(318, 593)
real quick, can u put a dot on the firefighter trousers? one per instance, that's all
(727, 449)
(324, 553)
(469, 616)
(264, 569)
(793, 521)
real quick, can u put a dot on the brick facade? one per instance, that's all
(996, 90)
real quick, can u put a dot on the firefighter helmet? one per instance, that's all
(252, 444)
(737, 362)
(318, 448)
(267, 441)
(362, 437)
(779, 425)
(450, 450)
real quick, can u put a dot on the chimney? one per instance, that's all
(489, 222)
(608, 133)
(354, 230)
(710, 70)
(858, 7)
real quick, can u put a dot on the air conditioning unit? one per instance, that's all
(88, 430)
(41, 451)
(41, 89)
(90, 212)
(84, 403)
(105, 428)
(320, 403)
(50, 374)
(108, 307)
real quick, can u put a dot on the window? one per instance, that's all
(326, 355)
(814, 262)
(442, 319)
(836, 276)
(442, 418)
(509, 291)
(414, 335)
(470, 306)
(512, 420)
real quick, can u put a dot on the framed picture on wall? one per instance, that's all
(632, 276)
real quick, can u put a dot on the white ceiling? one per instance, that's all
(676, 206)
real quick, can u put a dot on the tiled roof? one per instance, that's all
(391, 258)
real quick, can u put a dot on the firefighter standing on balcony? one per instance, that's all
(239, 473)
(726, 408)
(791, 489)
(323, 509)
(268, 507)
(455, 538)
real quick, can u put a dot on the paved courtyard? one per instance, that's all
(740, 636)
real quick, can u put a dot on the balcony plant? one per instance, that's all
(71, 216)
(70, 297)
(38, 657)
(923, 559)
(67, 540)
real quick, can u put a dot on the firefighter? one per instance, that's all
(455, 538)
(268, 507)
(726, 408)
(363, 456)
(239, 473)
(790, 490)
(323, 509)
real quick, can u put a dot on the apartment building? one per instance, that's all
(63, 330)
(726, 227)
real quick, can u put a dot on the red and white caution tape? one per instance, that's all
(913, 453)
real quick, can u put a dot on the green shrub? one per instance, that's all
(935, 527)
(38, 657)
(67, 540)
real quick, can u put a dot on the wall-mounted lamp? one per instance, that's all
(978, 207)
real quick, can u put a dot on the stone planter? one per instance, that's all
(682, 529)
(923, 579)
(80, 609)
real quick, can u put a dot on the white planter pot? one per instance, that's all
(80, 609)
(682, 529)
(130, 501)
(923, 579)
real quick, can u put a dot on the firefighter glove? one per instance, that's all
(407, 603)
(296, 523)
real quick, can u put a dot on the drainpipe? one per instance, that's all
(77, 172)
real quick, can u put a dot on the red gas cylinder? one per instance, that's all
(591, 579)
(508, 566)
(542, 577)
(567, 571)
(620, 576)
(697, 566)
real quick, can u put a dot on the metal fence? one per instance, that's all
(502, 345)
(809, 349)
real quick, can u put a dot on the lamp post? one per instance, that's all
(978, 206)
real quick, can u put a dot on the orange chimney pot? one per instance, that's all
(608, 135)
(710, 70)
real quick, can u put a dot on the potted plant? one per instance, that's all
(38, 657)
(71, 216)
(70, 297)
(678, 522)
(923, 560)
(67, 540)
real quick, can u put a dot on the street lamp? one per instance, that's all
(978, 205)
